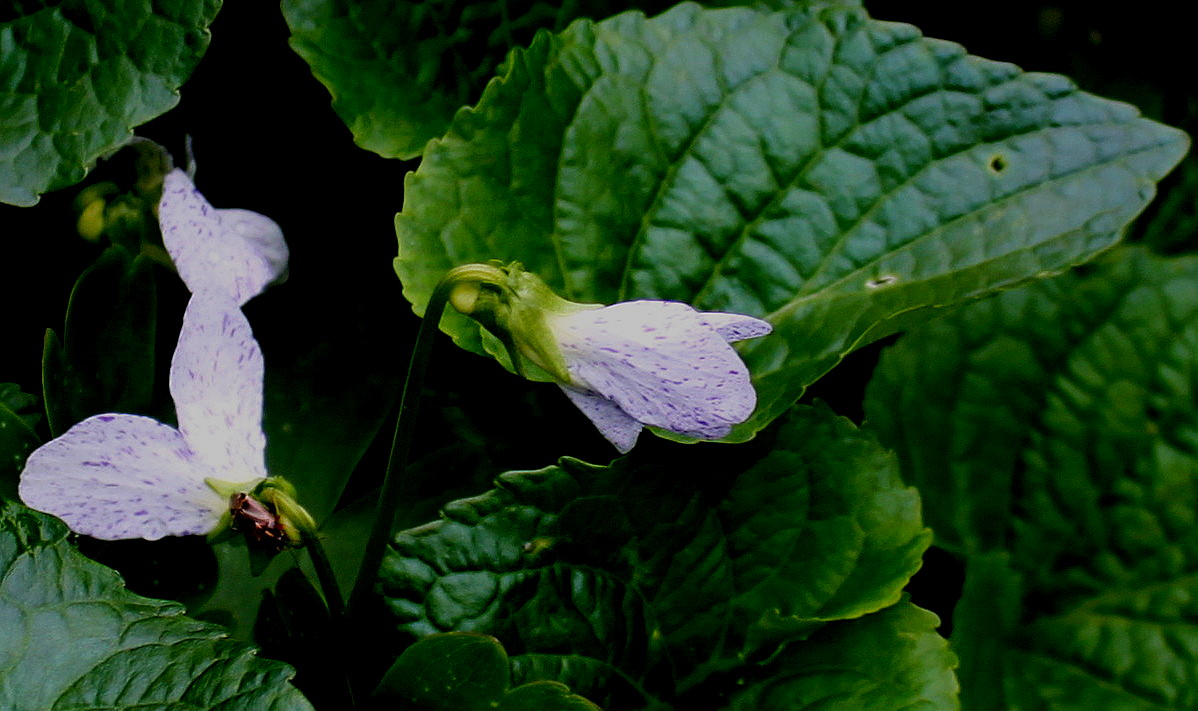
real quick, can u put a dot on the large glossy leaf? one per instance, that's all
(399, 70)
(811, 166)
(889, 660)
(654, 566)
(74, 638)
(76, 76)
(1053, 432)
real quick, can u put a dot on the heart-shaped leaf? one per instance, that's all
(811, 166)
(1053, 432)
(75, 638)
(648, 568)
(79, 74)
(399, 71)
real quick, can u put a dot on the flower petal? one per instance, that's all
(216, 380)
(620, 428)
(735, 327)
(122, 476)
(662, 363)
(235, 252)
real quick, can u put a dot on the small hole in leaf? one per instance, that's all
(881, 281)
(998, 163)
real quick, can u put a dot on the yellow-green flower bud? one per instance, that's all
(295, 519)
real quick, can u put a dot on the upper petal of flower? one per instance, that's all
(662, 362)
(122, 476)
(216, 381)
(233, 251)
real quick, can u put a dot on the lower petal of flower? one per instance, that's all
(620, 428)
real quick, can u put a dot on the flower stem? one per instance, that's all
(325, 576)
(405, 426)
(336, 606)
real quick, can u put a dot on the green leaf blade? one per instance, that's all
(124, 650)
(814, 167)
(1066, 412)
(891, 659)
(632, 573)
(79, 75)
(398, 72)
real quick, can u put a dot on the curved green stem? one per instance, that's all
(336, 606)
(405, 426)
(325, 576)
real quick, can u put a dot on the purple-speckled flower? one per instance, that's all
(232, 251)
(117, 476)
(658, 363)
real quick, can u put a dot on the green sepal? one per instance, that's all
(516, 306)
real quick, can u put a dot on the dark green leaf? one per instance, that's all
(448, 672)
(544, 696)
(234, 601)
(1053, 432)
(628, 572)
(17, 437)
(461, 671)
(78, 75)
(325, 402)
(105, 361)
(399, 70)
(74, 638)
(814, 167)
(889, 660)
(294, 625)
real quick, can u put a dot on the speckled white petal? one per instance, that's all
(620, 428)
(661, 363)
(262, 235)
(735, 327)
(216, 381)
(233, 251)
(122, 476)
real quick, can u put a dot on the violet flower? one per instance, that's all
(626, 366)
(230, 251)
(657, 363)
(115, 476)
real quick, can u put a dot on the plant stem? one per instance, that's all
(336, 606)
(325, 576)
(401, 444)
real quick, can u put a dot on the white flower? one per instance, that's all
(118, 476)
(115, 476)
(658, 363)
(232, 251)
